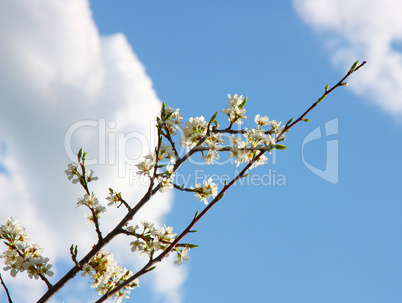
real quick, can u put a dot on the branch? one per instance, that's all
(327, 92)
(5, 288)
(188, 229)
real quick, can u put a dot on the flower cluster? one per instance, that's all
(93, 204)
(235, 110)
(213, 142)
(152, 239)
(147, 164)
(106, 275)
(172, 119)
(22, 255)
(206, 190)
(75, 176)
(195, 129)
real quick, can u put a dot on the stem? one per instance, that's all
(5, 288)
(327, 92)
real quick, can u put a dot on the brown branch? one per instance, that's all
(5, 288)
(327, 92)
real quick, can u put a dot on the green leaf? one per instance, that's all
(213, 118)
(306, 120)
(352, 69)
(152, 268)
(279, 146)
(79, 154)
(326, 88)
(196, 214)
(243, 103)
(290, 121)
(321, 98)
(189, 245)
(169, 116)
(163, 111)
(246, 175)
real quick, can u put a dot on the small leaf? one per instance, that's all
(163, 111)
(290, 121)
(326, 88)
(169, 116)
(152, 268)
(196, 214)
(279, 146)
(321, 98)
(243, 103)
(189, 245)
(345, 84)
(79, 154)
(352, 69)
(306, 120)
(213, 118)
(246, 175)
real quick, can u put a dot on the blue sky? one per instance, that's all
(301, 240)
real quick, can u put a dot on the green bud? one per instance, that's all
(213, 118)
(243, 103)
(279, 146)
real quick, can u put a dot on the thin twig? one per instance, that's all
(5, 288)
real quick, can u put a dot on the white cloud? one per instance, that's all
(365, 30)
(58, 71)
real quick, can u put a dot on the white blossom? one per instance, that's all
(194, 131)
(174, 122)
(206, 190)
(72, 172)
(261, 121)
(235, 110)
(106, 275)
(182, 256)
(22, 255)
(146, 165)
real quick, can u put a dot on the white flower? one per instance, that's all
(257, 137)
(274, 124)
(175, 120)
(182, 256)
(235, 110)
(22, 255)
(146, 165)
(205, 191)
(261, 161)
(113, 198)
(238, 150)
(106, 275)
(90, 176)
(72, 171)
(88, 200)
(194, 130)
(166, 152)
(261, 121)
(209, 158)
(137, 245)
